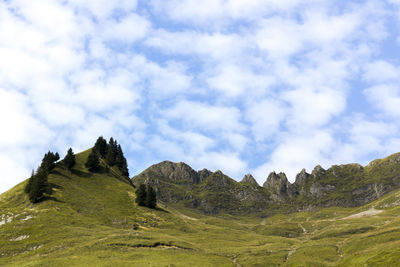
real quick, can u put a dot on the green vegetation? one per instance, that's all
(151, 198)
(101, 146)
(112, 154)
(146, 196)
(38, 184)
(141, 195)
(92, 219)
(93, 161)
(69, 159)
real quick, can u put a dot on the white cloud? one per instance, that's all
(279, 37)
(206, 117)
(381, 71)
(226, 161)
(311, 108)
(215, 45)
(13, 170)
(168, 80)
(385, 97)
(225, 78)
(193, 142)
(215, 12)
(297, 152)
(265, 117)
(103, 9)
(359, 140)
(233, 81)
(127, 30)
(18, 122)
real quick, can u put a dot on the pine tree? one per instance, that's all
(48, 161)
(34, 190)
(111, 152)
(92, 162)
(40, 186)
(121, 162)
(101, 146)
(69, 159)
(151, 198)
(29, 184)
(141, 195)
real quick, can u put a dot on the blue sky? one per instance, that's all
(241, 86)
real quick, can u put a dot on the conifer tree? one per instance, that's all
(92, 162)
(38, 183)
(101, 146)
(151, 198)
(121, 162)
(69, 159)
(48, 161)
(29, 184)
(141, 195)
(39, 186)
(111, 152)
(34, 190)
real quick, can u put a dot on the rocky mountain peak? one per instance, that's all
(218, 178)
(279, 185)
(248, 178)
(274, 180)
(318, 170)
(177, 172)
(203, 174)
(302, 177)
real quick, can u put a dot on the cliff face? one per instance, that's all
(279, 186)
(211, 192)
(346, 185)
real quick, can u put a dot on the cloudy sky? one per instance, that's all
(241, 86)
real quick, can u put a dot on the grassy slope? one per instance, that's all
(90, 224)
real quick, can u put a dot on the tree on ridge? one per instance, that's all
(93, 162)
(69, 159)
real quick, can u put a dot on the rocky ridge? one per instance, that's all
(346, 185)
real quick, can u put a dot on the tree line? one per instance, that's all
(38, 184)
(111, 152)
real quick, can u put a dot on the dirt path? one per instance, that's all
(371, 212)
(293, 250)
(234, 260)
(304, 229)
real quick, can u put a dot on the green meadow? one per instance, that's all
(91, 219)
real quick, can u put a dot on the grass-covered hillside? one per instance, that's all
(91, 219)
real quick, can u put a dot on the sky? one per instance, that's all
(241, 86)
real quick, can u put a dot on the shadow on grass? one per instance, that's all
(55, 172)
(161, 209)
(81, 173)
(54, 199)
(51, 185)
(49, 198)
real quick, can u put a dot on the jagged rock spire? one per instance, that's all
(275, 180)
(203, 174)
(302, 177)
(318, 170)
(248, 178)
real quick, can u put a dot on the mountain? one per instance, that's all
(211, 192)
(348, 185)
(91, 218)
